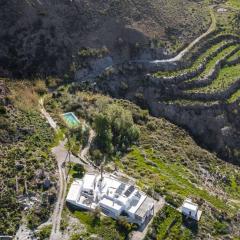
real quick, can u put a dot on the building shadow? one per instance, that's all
(190, 223)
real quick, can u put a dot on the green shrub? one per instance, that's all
(44, 233)
(221, 228)
(173, 200)
(76, 236)
(125, 226)
(168, 224)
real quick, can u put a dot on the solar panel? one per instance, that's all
(120, 188)
(129, 191)
(138, 195)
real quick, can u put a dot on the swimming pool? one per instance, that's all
(71, 119)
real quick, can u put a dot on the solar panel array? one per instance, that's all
(129, 191)
(120, 189)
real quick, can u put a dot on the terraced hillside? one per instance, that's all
(205, 99)
(200, 92)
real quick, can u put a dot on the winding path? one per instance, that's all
(84, 152)
(192, 44)
(60, 153)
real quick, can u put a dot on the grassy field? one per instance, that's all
(174, 177)
(234, 97)
(234, 56)
(234, 3)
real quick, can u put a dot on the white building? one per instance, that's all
(190, 209)
(114, 198)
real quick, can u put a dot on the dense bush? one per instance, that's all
(37, 216)
(221, 228)
(173, 200)
(78, 170)
(125, 226)
(2, 109)
(103, 227)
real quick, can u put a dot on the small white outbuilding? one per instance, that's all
(190, 209)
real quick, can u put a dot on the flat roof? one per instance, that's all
(110, 204)
(189, 205)
(123, 199)
(88, 181)
(144, 207)
(108, 183)
(134, 207)
(74, 190)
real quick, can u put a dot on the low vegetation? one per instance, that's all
(227, 76)
(44, 233)
(169, 224)
(103, 227)
(234, 3)
(26, 162)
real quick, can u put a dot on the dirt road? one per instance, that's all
(84, 152)
(192, 44)
(60, 152)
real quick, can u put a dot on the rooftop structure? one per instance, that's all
(190, 209)
(114, 197)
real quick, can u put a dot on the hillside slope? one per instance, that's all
(27, 169)
(40, 36)
(167, 162)
(200, 92)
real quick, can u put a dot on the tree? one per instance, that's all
(124, 225)
(104, 134)
(115, 128)
(79, 169)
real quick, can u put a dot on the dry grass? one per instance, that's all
(24, 94)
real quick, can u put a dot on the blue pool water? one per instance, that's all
(71, 119)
